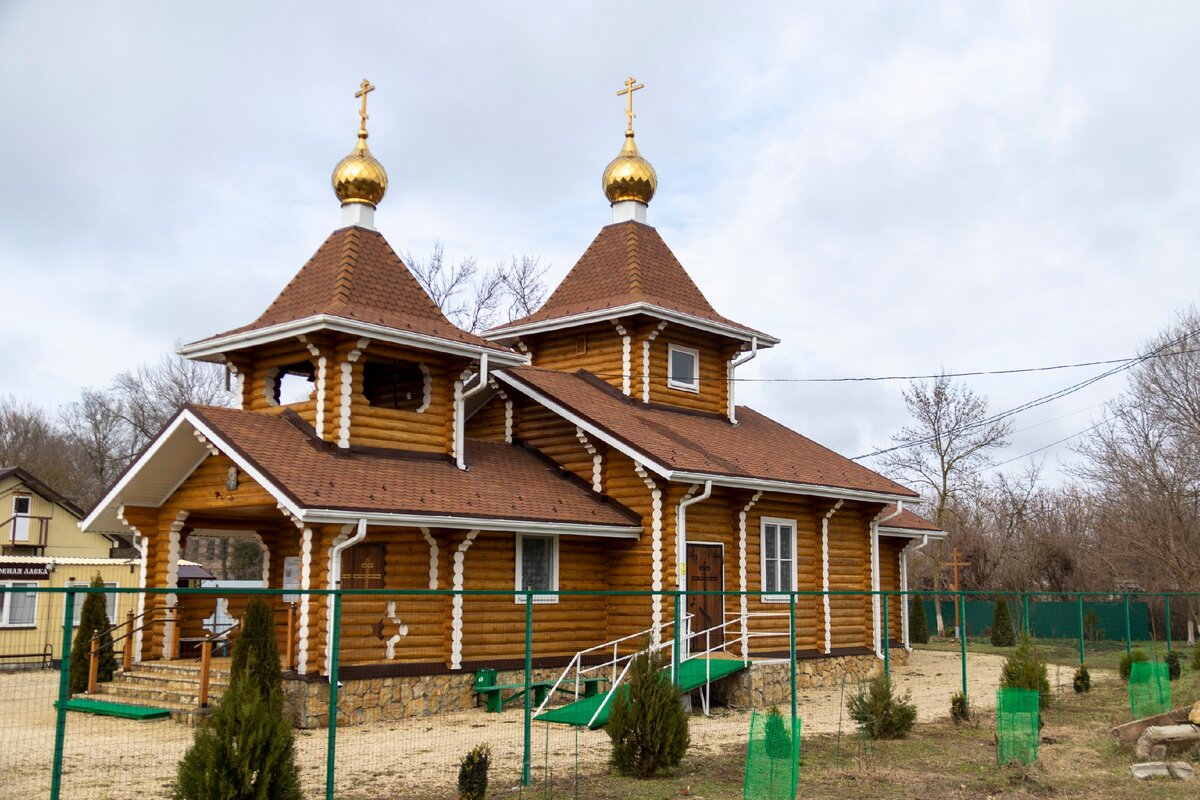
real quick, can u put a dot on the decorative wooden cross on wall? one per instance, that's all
(630, 88)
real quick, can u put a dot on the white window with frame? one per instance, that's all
(110, 602)
(537, 567)
(22, 507)
(18, 608)
(683, 368)
(778, 549)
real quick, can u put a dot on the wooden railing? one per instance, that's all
(148, 619)
(36, 539)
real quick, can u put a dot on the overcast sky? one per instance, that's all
(891, 188)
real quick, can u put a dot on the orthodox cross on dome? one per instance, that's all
(630, 87)
(362, 114)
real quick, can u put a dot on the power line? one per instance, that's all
(1039, 401)
(1088, 429)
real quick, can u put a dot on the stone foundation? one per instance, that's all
(767, 684)
(401, 697)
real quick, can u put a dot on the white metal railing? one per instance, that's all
(577, 666)
(741, 621)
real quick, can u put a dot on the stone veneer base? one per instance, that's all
(369, 700)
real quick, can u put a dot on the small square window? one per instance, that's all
(683, 368)
(21, 504)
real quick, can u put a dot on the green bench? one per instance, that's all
(485, 684)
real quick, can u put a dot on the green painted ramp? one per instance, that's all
(123, 710)
(692, 675)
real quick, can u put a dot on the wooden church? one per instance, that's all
(594, 445)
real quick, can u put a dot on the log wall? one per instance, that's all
(596, 348)
(889, 581)
(715, 353)
(430, 430)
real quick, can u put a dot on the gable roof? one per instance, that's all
(37, 485)
(356, 276)
(505, 485)
(692, 446)
(627, 264)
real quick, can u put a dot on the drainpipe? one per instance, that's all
(904, 585)
(335, 582)
(460, 427)
(681, 545)
(733, 365)
(880, 634)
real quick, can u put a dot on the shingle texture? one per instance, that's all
(757, 447)
(503, 482)
(356, 275)
(907, 520)
(628, 262)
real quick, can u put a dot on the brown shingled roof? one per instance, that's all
(684, 441)
(503, 482)
(907, 520)
(357, 275)
(627, 262)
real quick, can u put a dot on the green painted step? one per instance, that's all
(692, 675)
(123, 710)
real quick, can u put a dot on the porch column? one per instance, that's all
(306, 545)
(174, 539)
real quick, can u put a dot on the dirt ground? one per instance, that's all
(113, 759)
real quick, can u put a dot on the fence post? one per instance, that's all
(527, 745)
(93, 663)
(127, 653)
(1128, 633)
(887, 661)
(676, 639)
(1025, 612)
(1081, 629)
(1167, 603)
(205, 667)
(334, 653)
(792, 675)
(962, 642)
(64, 694)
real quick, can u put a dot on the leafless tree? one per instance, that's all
(1143, 462)
(29, 438)
(949, 441)
(475, 299)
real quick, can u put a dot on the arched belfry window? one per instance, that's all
(293, 383)
(402, 385)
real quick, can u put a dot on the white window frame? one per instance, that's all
(762, 557)
(4, 612)
(694, 386)
(81, 597)
(537, 598)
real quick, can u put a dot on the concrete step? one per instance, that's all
(179, 668)
(168, 681)
(184, 713)
(150, 695)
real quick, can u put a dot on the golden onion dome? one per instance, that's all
(629, 176)
(359, 177)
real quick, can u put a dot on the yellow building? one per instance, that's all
(41, 545)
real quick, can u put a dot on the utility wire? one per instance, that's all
(1039, 401)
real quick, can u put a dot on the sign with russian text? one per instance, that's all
(24, 571)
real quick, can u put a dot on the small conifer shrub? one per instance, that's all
(473, 773)
(1024, 669)
(1082, 681)
(1093, 631)
(1174, 666)
(881, 714)
(918, 627)
(648, 726)
(247, 751)
(960, 709)
(1002, 626)
(1127, 660)
(93, 618)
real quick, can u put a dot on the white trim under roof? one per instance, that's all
(212, 349)
(309, 516)
(911, 533)
(736, 482)
(505, 332)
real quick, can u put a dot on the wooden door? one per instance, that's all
(705, 573)
(362, 567)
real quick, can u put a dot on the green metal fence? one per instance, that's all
(1055, 617)
(379, 726)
